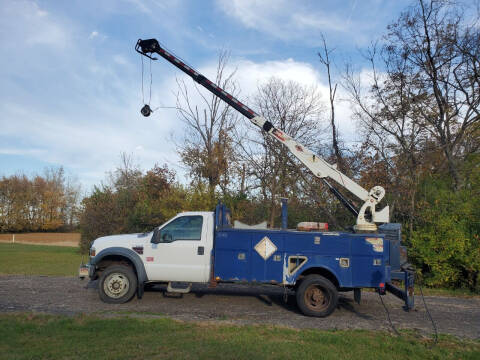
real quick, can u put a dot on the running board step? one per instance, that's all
(179, 287)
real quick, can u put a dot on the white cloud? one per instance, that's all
(120, 59)
(97, 35)
(151, 8)
(17, 151)
(31, 25)
(309, 21)
(42, 13)
(284, 19)
(140, 5)
(249, 75)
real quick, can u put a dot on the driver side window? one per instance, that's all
(182, 228)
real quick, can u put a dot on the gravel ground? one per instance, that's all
(240, 304)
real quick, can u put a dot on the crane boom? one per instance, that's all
(316, 164)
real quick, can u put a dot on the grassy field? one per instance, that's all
(27, 336)
(39, 260)
(462, 293)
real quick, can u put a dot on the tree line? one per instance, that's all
(416, 106)
(47, 202)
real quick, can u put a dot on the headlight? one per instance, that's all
(92, 251)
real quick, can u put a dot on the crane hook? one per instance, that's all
(146, 111)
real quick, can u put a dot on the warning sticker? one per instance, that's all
(265, 248)
(377, 243)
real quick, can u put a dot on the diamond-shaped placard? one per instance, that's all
(265, 248)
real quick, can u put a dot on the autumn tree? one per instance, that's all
(391, 131)
(440, 52)
(131, 201)
(420, 108)
(48, 202)
(419, 113)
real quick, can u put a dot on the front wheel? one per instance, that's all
(117, 284)
(317, 296)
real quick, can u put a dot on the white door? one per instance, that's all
(180, 250)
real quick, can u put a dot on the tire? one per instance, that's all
(316, 296)
(117, 284)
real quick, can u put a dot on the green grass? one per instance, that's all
(430, 291)
(39, 260)
(462, 293)
(28, 336)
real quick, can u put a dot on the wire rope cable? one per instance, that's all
(151, 81)
(143, 96)
(388, 316)
(435, 330)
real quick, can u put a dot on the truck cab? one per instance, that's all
(180, 249)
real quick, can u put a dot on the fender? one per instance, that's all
(132, 256)
(318, 266)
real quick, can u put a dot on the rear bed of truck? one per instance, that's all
(351, 261)
(281, 256)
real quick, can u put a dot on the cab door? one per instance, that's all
(180, 250)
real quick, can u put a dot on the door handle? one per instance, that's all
(201, 250)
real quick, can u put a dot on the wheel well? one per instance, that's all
(319, 271)
(113, 259)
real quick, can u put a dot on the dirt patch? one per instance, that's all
(239, 304)
(58, 239)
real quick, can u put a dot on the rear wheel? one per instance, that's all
(317, 296)
(117, 284)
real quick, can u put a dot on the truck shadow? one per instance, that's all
(267, 295)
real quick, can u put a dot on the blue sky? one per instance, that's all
(70, 90)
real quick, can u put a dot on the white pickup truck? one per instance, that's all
(178, 251)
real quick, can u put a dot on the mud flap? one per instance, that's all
(357, 295)
(140, 290)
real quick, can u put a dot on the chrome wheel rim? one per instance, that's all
(116, 285)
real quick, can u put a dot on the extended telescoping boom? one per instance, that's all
(317, 165)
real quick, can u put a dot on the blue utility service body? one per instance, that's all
(237, 260)
(349, 260)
